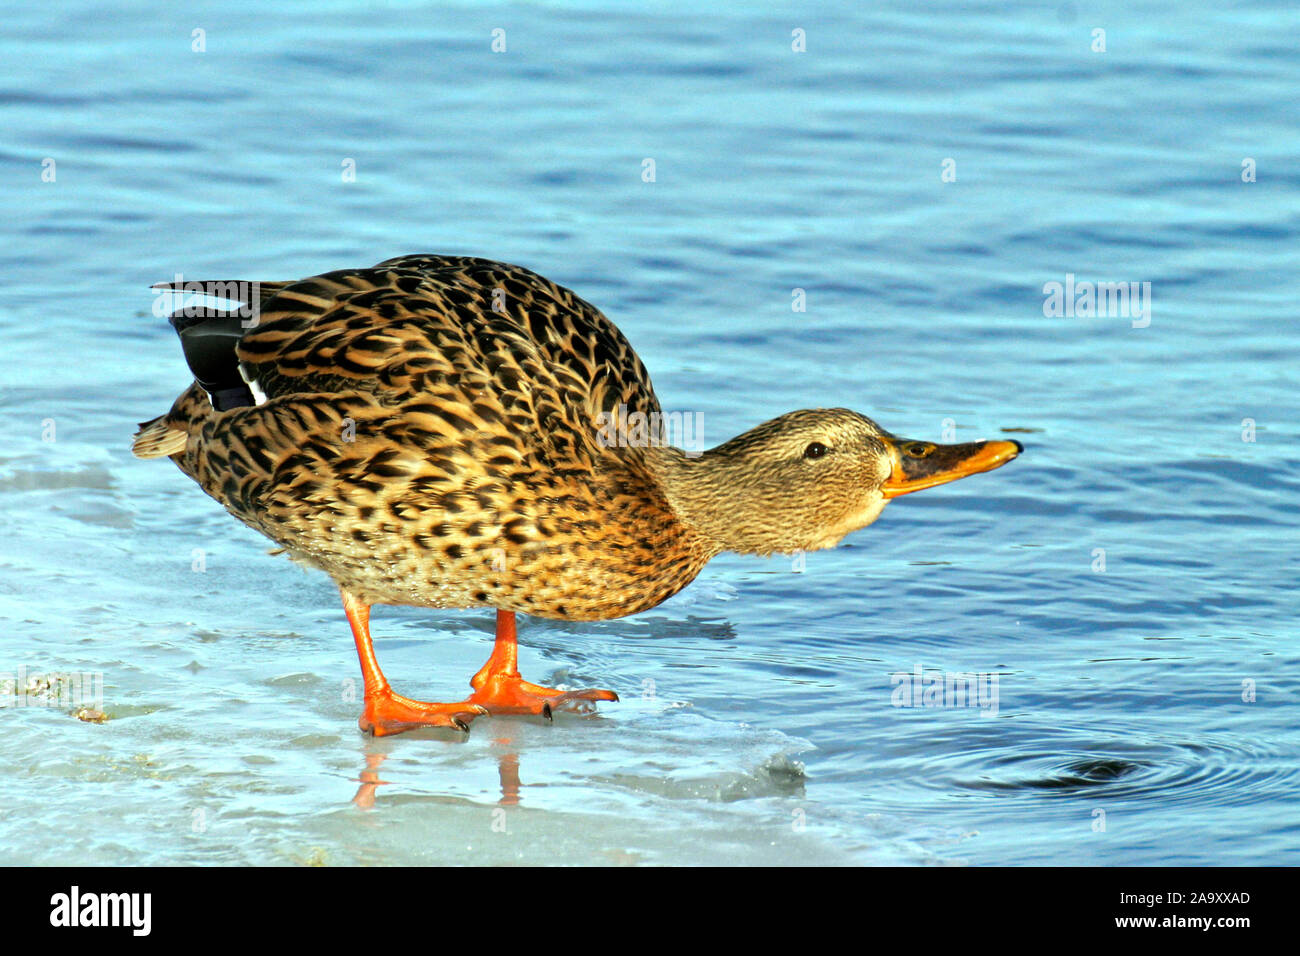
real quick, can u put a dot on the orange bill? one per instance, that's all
(922, 464)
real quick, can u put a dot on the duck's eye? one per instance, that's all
(919, 449)
(815, 450)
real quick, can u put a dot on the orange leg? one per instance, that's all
(389, 713)
(499, 688)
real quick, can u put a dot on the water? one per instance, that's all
(757, 724)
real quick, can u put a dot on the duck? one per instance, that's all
(455, 432)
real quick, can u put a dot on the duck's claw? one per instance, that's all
(462, 718)
(511, 694)
(577, 701)
(387, 714)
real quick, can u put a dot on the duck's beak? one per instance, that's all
(919, 464)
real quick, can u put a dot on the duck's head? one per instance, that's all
(804, 480)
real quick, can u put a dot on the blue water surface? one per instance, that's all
(920, 171)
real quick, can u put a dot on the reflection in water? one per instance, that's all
(365, 796)
(507, 769)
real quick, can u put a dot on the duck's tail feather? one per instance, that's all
(159, 438)
(209, 341)
(210, 336)
(169, 434)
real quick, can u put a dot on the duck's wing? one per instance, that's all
(423, 324)
(571, 332)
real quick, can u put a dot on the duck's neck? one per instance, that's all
(707, 492)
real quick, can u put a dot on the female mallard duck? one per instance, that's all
(452, 432)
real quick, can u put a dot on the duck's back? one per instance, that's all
(422, 324)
